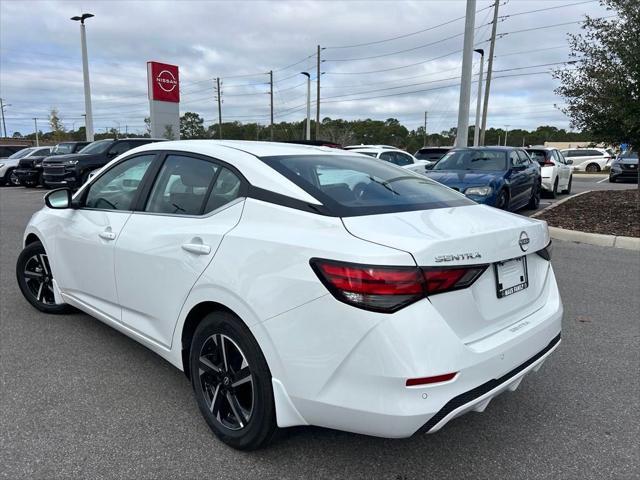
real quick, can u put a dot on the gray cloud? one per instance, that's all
(40, 65)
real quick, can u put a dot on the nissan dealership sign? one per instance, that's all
(164, 97)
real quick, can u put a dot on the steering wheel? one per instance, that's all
(360, 190)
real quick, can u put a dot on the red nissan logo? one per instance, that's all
(166, 81)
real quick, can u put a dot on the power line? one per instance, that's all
(504, 17)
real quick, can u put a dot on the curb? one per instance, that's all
(627, 243)
(559, 202)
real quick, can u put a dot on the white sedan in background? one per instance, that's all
(9, 164)
(288, 296)
(588, 159)
(393, 155)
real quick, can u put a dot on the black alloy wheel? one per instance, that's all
(12, 178)
(35, 279)
(232, 382)
(503, 200)
(593, 168)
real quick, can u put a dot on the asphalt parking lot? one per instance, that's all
(80, 400)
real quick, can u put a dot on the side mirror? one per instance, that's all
(58, 199)
(569, 162)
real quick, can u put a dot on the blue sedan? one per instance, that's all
(502, 177)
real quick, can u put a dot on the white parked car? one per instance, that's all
(9, 164)
(555, 170)
(291, 294)
(588, 159)
(393, 155)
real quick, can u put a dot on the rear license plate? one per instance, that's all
(511, 276)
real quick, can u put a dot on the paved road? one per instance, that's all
(79, 400)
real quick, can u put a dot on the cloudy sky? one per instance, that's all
(381, 59)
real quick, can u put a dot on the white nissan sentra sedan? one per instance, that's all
(300, 285)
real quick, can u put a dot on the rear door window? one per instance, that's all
(351, 185)
(538, 155)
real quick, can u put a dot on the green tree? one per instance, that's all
(602, 87)
(168, 132)
(192, 126)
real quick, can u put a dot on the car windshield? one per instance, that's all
(473, 160)
(62, 148)
(630, 155)
(97, 147)
(352, 185)
(431, 154)
(22, 153)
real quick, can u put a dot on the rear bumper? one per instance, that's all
(355, 380)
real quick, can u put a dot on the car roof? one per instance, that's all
(242, 155)
(385, 147)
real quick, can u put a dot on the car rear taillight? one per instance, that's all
(388, 289)
(548, 163)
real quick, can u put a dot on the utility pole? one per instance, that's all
(4, 123)
(465, 85)
(424, 135)
(85, 75)
(219, 108)
(476, 128)
(506, 134)
(318, 96)
(308, 129)
(492, 47)
(35, 122)
(271, 96)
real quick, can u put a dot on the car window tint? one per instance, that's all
(524, 158)
(353, 185)
(594, 153)
(514, 160)
(388, 157)
(537, 155)
(181, 186)
(117, 188)
(489, 160)
(225, 189)
(119, 148)
(403, 159)
(558, 156)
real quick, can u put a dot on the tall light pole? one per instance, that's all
(35, 122)
(308, 129)
(465, 84)
(476, 128)
(4, 122)
(506, 134)
(85, 75)
(492, 47)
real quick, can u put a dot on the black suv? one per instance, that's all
(74, 169)
(29, 170)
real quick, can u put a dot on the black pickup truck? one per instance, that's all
(73, 170)
(29, 170)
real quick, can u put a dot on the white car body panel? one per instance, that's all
(580, 163)
(375, 151)
(332, 364)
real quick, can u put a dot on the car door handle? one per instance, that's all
(107, 235)
(197, 248)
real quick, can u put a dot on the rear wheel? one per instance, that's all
(554, 190)
(568, 189)
(592, 168)
(35, 279)
(232, 382)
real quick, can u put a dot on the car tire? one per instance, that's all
(567, 190)
(35, 279)
(502, 202)
(592, 168)
(12, 178)
(240, 412)
(554, 190)
(534, 202)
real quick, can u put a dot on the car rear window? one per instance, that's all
(430, 153)
(538, 155)
(351, 186)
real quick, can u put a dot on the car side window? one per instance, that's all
(514, 159)
(119, 148)
(116, 189)
(225, 189)
(403, 159)
(524, 158)
(558, 156)
(387, 157)
(182, 186)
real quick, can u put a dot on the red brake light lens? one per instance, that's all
(414, 382)
(388, 289)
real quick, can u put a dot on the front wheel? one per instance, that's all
(502, 202)
(232, 382)
(35, 279)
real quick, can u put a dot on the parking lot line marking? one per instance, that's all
(603, 180)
